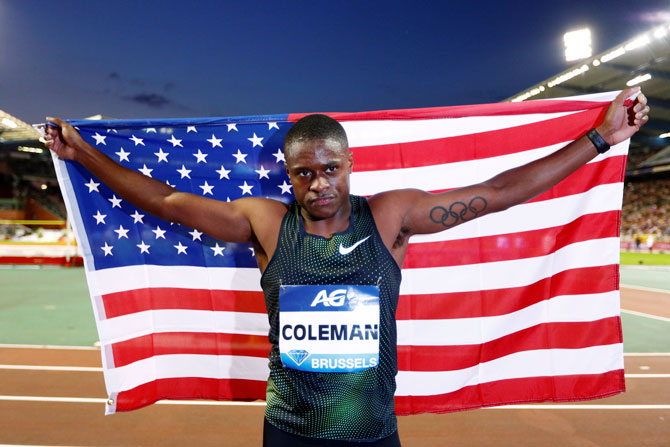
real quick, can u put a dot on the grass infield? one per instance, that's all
(634, 258)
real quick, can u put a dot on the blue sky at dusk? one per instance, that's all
(151, 59)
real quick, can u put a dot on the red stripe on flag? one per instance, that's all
(572, 335)
(475, 146)
(517, 391)
(502, 108)
(139, 300)
(190, 388)
(505, 247)
(206, 343)
(488, 303)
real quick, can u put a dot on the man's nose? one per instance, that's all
(319, 184)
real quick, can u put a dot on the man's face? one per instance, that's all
(319, 172)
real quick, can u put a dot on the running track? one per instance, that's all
(62, 405)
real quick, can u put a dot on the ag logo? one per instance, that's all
(335, 299)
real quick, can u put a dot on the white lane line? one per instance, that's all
(641, 314)
(22, 346)
(97, 400)
(262, 404)
(52, 368)
(646, 289)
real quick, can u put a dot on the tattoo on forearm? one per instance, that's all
(458, 212)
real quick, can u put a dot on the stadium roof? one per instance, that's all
(13, 129)
(643, 60)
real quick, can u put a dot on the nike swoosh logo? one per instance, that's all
(345, 251)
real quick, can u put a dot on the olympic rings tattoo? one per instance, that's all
(458, 212)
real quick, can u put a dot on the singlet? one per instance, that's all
(350, 406)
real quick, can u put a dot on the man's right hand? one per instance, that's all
(64, 139)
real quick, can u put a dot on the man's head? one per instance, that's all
(318, 163)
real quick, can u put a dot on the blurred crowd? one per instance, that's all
(646, 210)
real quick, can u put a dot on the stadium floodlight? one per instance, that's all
(613, 54)
(638, 80)
(596, 62)
(577, 44)
(660, 33)
(637, 43)
(9, 123)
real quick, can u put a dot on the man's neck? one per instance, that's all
(328, 227)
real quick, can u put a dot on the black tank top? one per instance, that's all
(352, 406)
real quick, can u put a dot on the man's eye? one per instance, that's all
(331, 169)
(303, 173)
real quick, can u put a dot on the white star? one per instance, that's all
(227, 199)
(262, 172)
(92, 186)
(137, 140)
(271, 125)
(150, 130)
(285, 188)
(107, 249)
(99, 139)
(184, 172)
(240, 157)
(146, 171)
(253, 253)
(115, 201)
(123, 155)
(169, 184)
(175, 142)
(180, 248)
(279, 156)
(215, 141)
(122, 232)
(223, 172)
(232, 127)
(162, 156)
(256, 140)
(137, 217)
(158, 232)
(200, 156)
(99, 217)
(218, 250)
(144, 248)
(246, 188)
(108, 130)
(196, 234)
(207, 189)
(191, 129)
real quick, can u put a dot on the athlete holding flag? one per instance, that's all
(348, 251)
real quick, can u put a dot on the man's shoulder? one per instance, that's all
(262, 207)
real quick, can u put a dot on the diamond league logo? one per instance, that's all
(298, 355)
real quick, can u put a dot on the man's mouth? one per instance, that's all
(321, 201)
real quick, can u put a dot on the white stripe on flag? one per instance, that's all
(454, 175)
(538, 363)
(470, 331)
(492, 275)
(379, 132)
(186, 365)
(126, 327)
(534, 215)
(506, 274)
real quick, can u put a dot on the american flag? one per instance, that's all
(517, 306)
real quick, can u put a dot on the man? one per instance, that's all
(329, 237)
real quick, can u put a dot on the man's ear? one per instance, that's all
(351, 162)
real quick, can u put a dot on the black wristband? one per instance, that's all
(599, 142)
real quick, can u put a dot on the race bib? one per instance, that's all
(332, 328)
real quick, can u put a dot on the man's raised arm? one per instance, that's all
(231, 222)
(421, 212)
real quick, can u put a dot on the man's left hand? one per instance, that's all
(621, 120)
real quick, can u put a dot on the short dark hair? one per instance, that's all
(316, 127)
